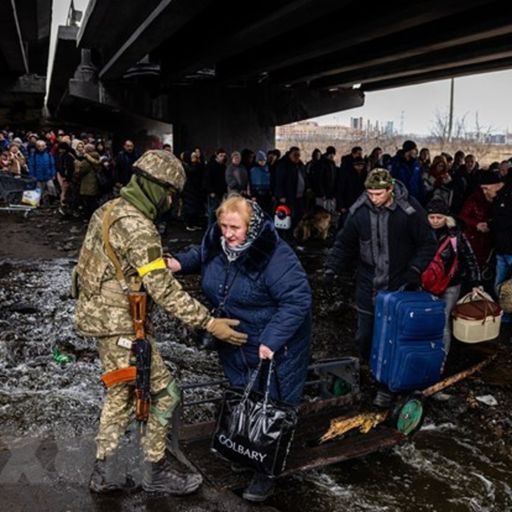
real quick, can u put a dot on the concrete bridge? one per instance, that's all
(227, 76)
(24, 42)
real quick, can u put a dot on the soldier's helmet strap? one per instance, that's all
(105, 230)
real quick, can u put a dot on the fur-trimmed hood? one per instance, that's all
(255, 258)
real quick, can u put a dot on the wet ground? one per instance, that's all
(460, 461)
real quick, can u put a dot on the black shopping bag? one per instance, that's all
(253, 430)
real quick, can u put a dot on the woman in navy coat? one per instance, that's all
(255, 277)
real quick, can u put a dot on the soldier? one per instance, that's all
(126, 227)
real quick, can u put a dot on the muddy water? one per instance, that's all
(460, 461)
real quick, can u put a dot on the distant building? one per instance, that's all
(390, 129)
(496, 138)
(356, 123)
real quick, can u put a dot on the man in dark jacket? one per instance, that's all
(350, 185)
(215, 182)
(65, 165)
(387, 232)
(465, 181)
(500, 193)
(323, 179)
(291, 183)
(124, 163)
(347, 160)
(406, 167)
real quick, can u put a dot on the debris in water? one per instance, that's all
(60, 357)
(487, 400)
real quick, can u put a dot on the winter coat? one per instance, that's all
(215, 178)
(477, 209)
(323, 178)
(467, 270)
(464, 184)
(65, 164)
(41, 165)
(287, 178)
(389, 244)
(237, 178)
(270, 295)
(410, 173)
(17, 163)
(193, 193)
(87, 170)
(124, 166)
(501, 223)
(349, 186)
(260, 180)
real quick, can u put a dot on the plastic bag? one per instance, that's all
(31, 197)
(253, 430)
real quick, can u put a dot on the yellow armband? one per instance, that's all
(152, 265)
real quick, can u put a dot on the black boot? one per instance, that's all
(160, 477)
(99, 482)
(260, 488)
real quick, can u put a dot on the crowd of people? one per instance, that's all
(395, 213)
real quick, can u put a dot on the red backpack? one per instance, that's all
(434, 278)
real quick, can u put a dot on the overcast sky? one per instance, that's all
(488, 94)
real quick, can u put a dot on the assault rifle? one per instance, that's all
(142, 350)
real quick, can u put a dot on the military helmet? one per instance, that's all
(162, 167)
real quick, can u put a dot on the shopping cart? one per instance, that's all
(11, 192)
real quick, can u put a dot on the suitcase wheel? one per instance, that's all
(408, 414)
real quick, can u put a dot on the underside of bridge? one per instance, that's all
(24, 43)
(225, 76)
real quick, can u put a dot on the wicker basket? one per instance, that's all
(476, 318)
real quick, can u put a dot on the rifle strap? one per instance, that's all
(127, 374)
(105, 230)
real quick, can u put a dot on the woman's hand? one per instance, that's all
(265, 352)
(173, 264)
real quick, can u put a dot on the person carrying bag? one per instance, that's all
(254, 431)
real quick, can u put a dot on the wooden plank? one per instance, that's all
(453, 379)
(345, 449)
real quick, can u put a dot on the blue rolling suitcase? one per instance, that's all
(407, 346)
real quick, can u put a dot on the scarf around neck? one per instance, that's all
(253, 231)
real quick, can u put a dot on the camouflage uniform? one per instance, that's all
(102, 311)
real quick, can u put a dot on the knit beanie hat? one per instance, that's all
(438, 206)
(260, 155)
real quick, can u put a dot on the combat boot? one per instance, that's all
(100, 483)
(160, 477)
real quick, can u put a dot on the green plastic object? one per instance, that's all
(410, 416)
(341, 387)
(59, 357)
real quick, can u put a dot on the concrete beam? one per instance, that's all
(241, 33)
(12, 45)
(496, 48)
(25, 84)
(439, 35)
(107, 24)
(167, 18)
(489, 65)
(333, 34)
(65, 62)
(288, 105)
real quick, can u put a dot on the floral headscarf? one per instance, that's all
(254, 229)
